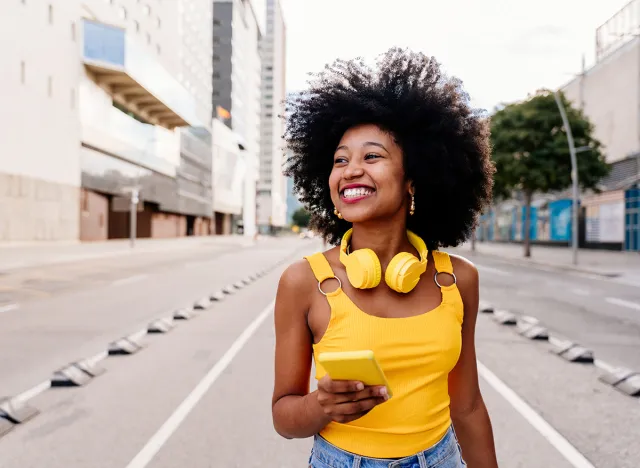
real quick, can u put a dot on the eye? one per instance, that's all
(340, 160)
(372, 156)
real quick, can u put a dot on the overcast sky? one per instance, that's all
(501, 49)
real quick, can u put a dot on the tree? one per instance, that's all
(531, 152)
(301, 217)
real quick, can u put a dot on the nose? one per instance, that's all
(353, 171)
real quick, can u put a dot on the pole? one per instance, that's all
(133, 217)
(574, 178)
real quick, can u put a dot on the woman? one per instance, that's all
(389, 161)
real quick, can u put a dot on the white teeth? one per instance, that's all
(357, 192)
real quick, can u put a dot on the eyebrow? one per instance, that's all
(366, 143)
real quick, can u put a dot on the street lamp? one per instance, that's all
(574, 177)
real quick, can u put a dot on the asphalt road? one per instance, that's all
(199, 396)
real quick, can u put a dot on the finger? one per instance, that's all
(339, 386)
(356, 407)
(368, 392)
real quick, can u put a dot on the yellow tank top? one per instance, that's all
(416, 354)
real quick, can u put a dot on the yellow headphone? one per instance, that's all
(402, 275)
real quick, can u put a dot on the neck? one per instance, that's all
(386, 239)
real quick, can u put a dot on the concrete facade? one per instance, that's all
(272, 186)
(609, 94)
(39, 128)
(72, 118)
(236, 88)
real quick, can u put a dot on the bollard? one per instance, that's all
(202, 304)
(573, 352)
(238, 285)
(228, 289)
(530, 327)
(70, 376)
(504, 317)
(623, 380)
(16, 411)
(125, 346)
(217, 296)
(485, 308)
(183, 314)
(163, 325)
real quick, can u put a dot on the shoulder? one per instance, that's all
(297, 277)
(466, 273)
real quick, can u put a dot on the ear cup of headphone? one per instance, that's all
(403, 272)
(363, 269)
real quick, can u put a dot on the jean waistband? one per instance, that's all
(331, 455)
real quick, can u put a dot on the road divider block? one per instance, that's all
(16, 411)
(253, 277)
(504, 317)
(573, 352)
(125, 346)
(246, 281)
(530, 327)
(217, 296)
(202, 304)
(485, 308)
(70, 376)
(238, 285)
(184, 314)
(163, 325)
(623, 380)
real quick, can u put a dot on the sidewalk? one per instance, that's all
(14, 256)
(596, 262)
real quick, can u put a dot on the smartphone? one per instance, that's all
(360, 366)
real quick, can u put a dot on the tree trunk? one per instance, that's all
(527, 224)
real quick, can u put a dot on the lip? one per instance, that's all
(353, 200)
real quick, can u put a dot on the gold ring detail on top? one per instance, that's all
(435, 278)
(330, 277)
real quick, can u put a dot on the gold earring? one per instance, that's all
(337, 213)
(412, 208)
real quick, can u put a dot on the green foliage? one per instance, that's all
(301, 217)
(531, 151)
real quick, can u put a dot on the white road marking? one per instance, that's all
(153, 446)
(495, 271)
(580, 292)
(562, 445)
(623, 303)
(129, 280)
(8, 308)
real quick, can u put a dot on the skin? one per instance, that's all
(367, 155)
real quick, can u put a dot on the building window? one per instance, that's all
(73, 31)
(217, 22)
(148, 38)
(158, 49)
(215, 58)
(216, 39)
(147, 10)
(50, 86)
(158, 22)
(50, 14)
(136, 24)
(123, 12)
(23, 72)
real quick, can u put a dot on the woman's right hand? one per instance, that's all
(344, 401)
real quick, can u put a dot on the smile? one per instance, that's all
(355, 194)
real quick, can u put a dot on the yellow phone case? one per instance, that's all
(360, 366)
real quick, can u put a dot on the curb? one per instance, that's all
(555, 266)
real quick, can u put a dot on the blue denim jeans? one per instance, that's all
(444, 454)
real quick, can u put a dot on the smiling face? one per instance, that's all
(367, 181)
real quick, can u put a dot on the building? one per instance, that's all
(609, 94)
(236, 102)
(293, 203)
(108, 108)
(272, 185)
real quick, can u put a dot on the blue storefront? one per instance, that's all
(632, 219)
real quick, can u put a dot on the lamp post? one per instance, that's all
(574, 178)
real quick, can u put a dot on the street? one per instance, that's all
(199, 395)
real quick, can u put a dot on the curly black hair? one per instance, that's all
(445, 143)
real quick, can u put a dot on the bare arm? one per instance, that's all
(296, 412)
(468, 411)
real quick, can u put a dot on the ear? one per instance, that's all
(411, 187)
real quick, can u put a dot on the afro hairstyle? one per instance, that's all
(445, 143)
